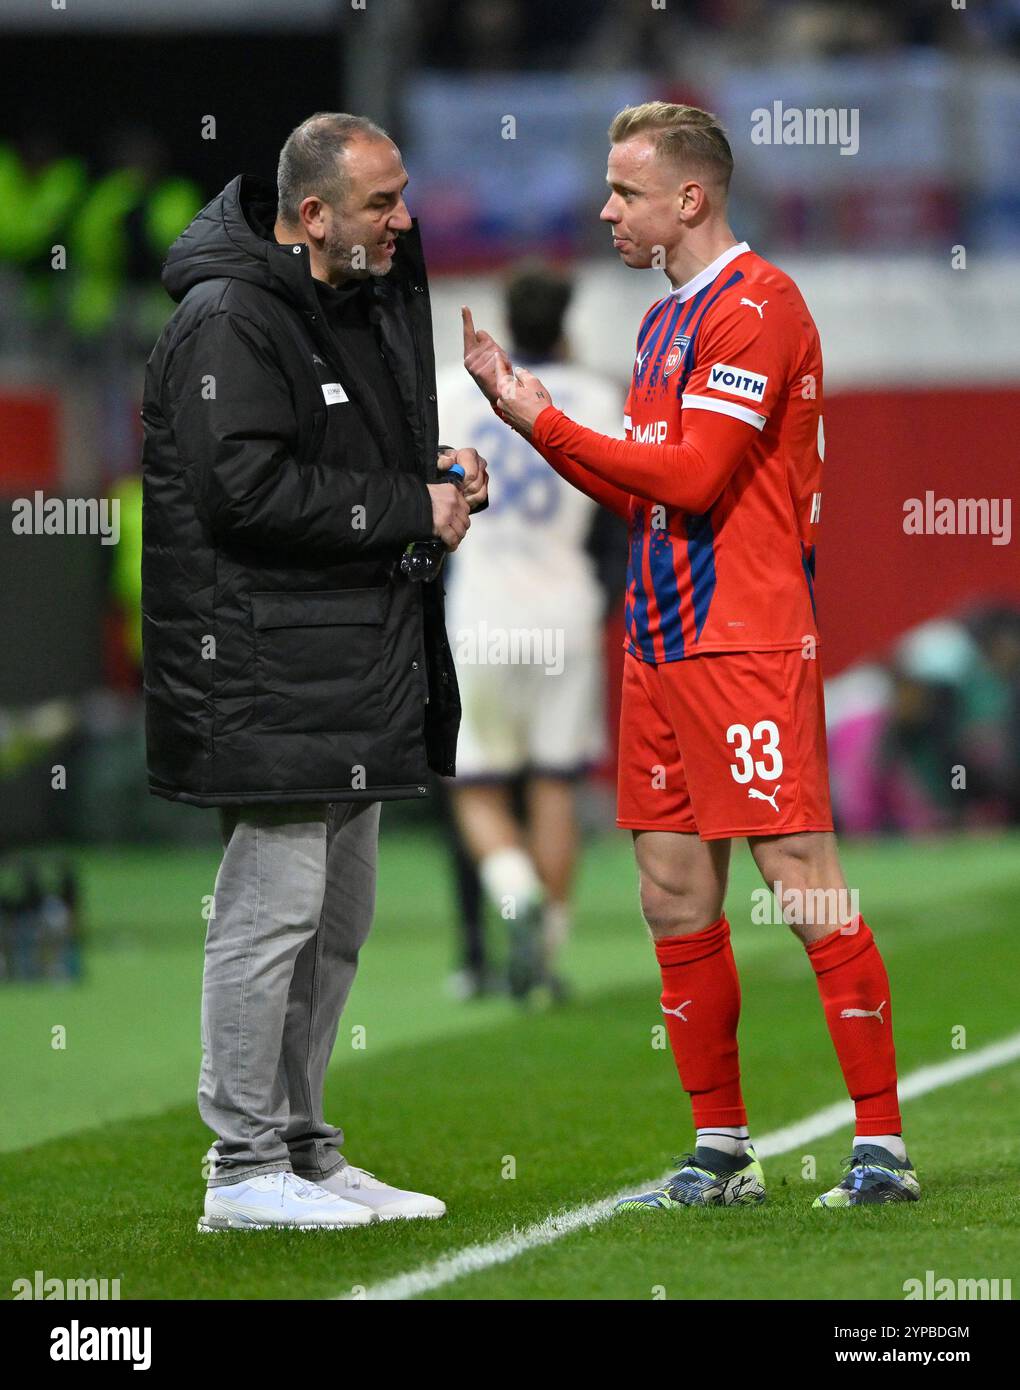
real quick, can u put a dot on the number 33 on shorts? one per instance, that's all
(776, 777)
(740, 741)
(765, 735)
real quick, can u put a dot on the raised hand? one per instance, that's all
(480, 353)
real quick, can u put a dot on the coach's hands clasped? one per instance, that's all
(451, 506)
(450, 518)
(475, 487)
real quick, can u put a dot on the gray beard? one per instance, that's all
(341, 258)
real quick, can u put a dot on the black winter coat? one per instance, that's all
(285, 657)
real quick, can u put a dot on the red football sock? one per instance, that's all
(699, 981)
(852, 981)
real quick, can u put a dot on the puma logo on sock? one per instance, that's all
(865, 1013)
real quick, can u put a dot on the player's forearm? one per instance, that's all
(605, 493)
(690, 475)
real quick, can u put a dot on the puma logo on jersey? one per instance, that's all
(865, 1013)
(751, 304)
(642, 358)
(756, 795)
(678, 1012)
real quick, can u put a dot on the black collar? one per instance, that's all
(342, 295)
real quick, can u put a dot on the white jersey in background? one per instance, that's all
(523, 567)
(526, 560)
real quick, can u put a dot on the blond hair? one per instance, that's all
(688, 136)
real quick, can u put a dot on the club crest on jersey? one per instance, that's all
(675, 355)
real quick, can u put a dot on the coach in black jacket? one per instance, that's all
(293, 675)
(280, 491)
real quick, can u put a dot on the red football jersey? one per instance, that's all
(737, 340)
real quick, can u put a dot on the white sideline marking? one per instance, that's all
(474, 1258)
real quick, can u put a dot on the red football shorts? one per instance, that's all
(724, 744)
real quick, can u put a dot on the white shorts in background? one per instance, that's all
(518, 718)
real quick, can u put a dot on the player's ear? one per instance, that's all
(690, 199)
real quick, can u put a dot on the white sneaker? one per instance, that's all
(273, 1201)
(385, 1202)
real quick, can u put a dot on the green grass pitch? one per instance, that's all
(101, 1145)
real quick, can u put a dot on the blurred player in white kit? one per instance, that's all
(524, 617)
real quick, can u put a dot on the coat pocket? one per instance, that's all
(319, 660)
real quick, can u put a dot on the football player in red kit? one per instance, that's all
(722, 728)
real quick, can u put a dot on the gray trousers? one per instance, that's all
(294, 899)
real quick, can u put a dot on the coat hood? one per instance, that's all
(232, 236)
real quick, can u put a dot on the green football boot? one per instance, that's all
(707, 1178)
(873, 1174)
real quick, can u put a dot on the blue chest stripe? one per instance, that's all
(692, 348)
(701, 556)
(667, 595)
(638, 615)
(658, 354)
(654, 315)
(643, 376)
(807, 559)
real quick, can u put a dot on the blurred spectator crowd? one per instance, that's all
(930, 739)
(675, 37)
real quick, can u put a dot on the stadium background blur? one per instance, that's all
(119, 120)
(907, 252)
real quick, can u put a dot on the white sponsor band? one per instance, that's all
(737, 381)
(739, 412)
